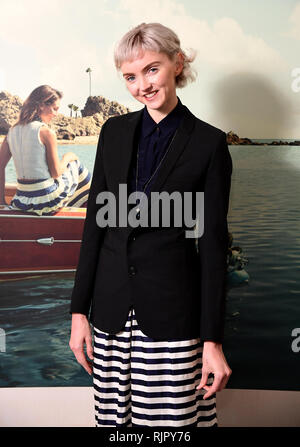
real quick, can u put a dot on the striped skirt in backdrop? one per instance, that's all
(47, 196)
(139, 381)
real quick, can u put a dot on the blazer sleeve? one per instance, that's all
(213, 244)
(91, 238)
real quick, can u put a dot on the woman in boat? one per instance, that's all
(156, 297)
(44, 182)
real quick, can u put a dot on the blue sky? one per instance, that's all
(246, 53)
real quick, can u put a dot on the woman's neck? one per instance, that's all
(159, 114)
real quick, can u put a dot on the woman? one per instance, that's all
(157, 297)
(44, 182)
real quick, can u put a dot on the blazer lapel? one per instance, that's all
(181, 138)
(183, 133)
(127, 144)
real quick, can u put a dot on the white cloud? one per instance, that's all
(223, 45)
(67, 36)
(64, 37)
(295, 23)
(55, 41)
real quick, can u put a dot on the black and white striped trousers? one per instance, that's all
(139, 381)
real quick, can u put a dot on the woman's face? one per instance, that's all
(47, 112)
(151, 80)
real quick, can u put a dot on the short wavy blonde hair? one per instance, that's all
(154, 37)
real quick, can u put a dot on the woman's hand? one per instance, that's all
(213, 361)
(69, 156)
(80, 335)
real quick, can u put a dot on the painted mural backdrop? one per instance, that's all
(248, 84)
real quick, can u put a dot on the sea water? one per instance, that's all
(264, 219)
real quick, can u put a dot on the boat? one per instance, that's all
(33, 245)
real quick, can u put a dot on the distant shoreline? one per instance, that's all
(84, 140)
(93, 140)
(89, 139)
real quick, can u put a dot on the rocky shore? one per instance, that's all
(67, 128)
(86, 129)
(233, 138)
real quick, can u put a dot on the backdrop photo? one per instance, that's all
(248, 84)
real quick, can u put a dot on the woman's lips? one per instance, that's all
(153, 95)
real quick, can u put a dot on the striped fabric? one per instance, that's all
(139, 381)
(47, 196)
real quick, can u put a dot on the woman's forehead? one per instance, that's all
(143, 57)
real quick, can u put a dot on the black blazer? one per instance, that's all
(175, 284)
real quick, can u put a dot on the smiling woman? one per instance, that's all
(156, 301)
(151, 80)
(153, 66)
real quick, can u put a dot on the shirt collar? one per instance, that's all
(166, 125)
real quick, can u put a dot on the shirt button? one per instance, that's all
(132, 270)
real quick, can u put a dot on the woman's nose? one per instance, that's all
(144, 84)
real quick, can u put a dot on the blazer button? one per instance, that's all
(132, 270)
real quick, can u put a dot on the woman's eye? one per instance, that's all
(153, 69)
(130, 78)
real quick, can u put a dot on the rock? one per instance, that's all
(65, 133)
(233, 138)
(98, 118)
(67, 127)
(10, 107)
(63, 126)
(97, 110)
(245, 141)
(101, 105)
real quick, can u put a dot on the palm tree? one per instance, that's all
(88, 70)
(71, 108)
(75, 108)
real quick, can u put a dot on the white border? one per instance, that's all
(74, 407)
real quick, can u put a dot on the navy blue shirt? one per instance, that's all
(153, 140)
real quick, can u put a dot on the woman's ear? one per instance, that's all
(40, 108)
(179, 63)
